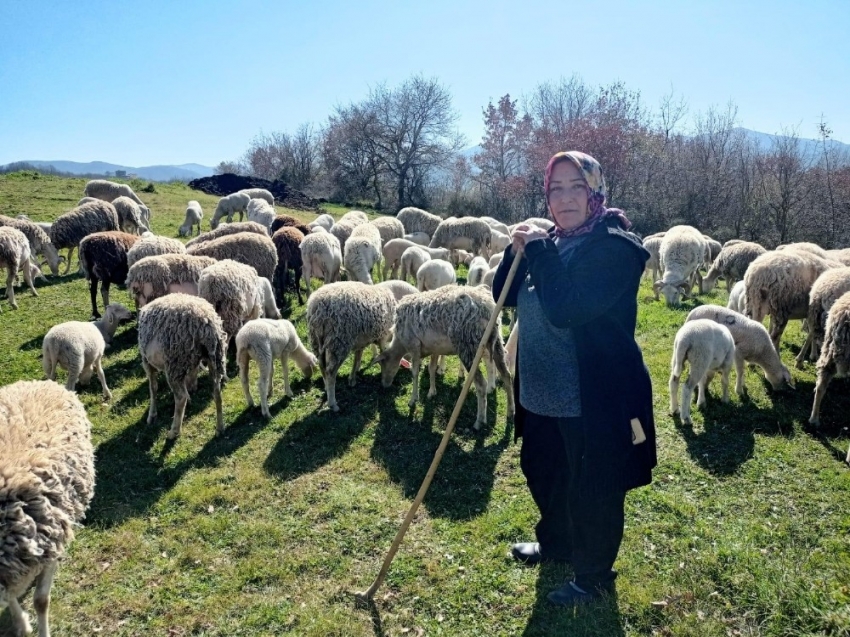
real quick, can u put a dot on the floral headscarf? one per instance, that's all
(596, 191)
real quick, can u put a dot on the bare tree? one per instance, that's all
(783, 183)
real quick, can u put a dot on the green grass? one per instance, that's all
(267, 529)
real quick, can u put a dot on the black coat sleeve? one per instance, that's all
(502, 274)
(589, 287)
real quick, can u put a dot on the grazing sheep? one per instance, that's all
(346, 316)
(70, 228)
(712, 249)
(362, 252)
(392, 251)
(151, 246)
(732, 242)
(413, 258)
(103, 257)
(325, 221)
(45, 226)
(269, 306)
(38, 239)
(354, 217)
(233, 289)
(450, 320)
(466, 233)
(709, 348)
(177, 333)
(653, 264)
(731, 264)
(419, 238)
(156, 276)
(842, 255)
(400, 289)
(433, 274)
(228, 206)
(342, 231)
(261, 211)
(281, 221)
(834, 357)
(223, 231)
(251, 249)
(264, 340)
(109, 191)
(321, 258)
(752, 345)
(78, 348)
(496, 259)
(130, 215)
(194, 214)
(805, 246)
(736, 297)
(317, 229)
(389, 227)
(287, 242)
(477, 269)
(48, 473)
(496, 225)
(418, 220)
(499, 241)
(259, 193)
(681, 254)
(89, 200)
(15, 257)
(459, 257)
(827, 289)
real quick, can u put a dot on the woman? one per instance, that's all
(584, 405)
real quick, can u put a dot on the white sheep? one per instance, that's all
(414, 256)
(419, 238)
(256, 250)
(834, 357)
(732, 264)
(38, 239)
(153, 245)
(342, 231)
(265, 340)
(499, 241)
(653, 264)
(736, 297)
(362, 252)
(233, 289)
(392, 251)
(458, 257)
(466, 233)
(48, 472)
(321, 258)
(496, 259)
(262, 212)
(827, 289)
(131, 217)
(841, 255)
(496, 225)
(389, 227)
(15, 257)
(324, 221)
(435, 273)
(477, 269)
(418, 220)
(400, 289)
(354, 217)
(259, 193)
(153, 277)
(709, 348)
(269, 306)
(109, 191)
(681, 253)
(194, 214)
(231, 228)
(228, 206)
(805, 246)
(177, 333)
(78, 348)
(73, 226)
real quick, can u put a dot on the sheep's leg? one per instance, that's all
(20, 620)
(433, 364)
(264, 384)
(441, 365)
(687, 395)
(104, 293)
(68, 261)
(501, 364)
(107, 395)
(48, 363)
(284, 359)
(41, 597)
(491, 372)
(825, 375)
(777, 326)
(93, 294)
(481, 394)
(181, 397)
(329, 373)
(28, 279)
(724, 382)
(673, 388)
(150, 372)
(75, 369)
(739, 373)
(244, 362)
(305, 272)
(10, 287)
(702, 388)
(355, 367)
(415, 363)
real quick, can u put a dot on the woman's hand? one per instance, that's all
(524, 233)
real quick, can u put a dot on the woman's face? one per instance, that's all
(567, 195)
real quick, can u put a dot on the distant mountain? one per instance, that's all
(183, 172)
(808, 147)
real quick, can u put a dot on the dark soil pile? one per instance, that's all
(229, 183)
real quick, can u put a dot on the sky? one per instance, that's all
(164, 82)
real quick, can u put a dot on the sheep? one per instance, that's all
(47, 462)
(736, 297)
(362, 252)
(287, 242)
(400, 289)
(259, 193)
(392, 251)
(70, 228)
(317, 229)
(89, 200)
(450, 320)
(260, 211)
(269, 306)
(834, 357)
(414, 256)
(828, 287)
(153, 245)
(354, 217)
(842, 255)
(15, 256)
(38, 239)
(228, 206)
(540, 222)
(466, 233)
(511, 348)
(805, 246)
(78, 348)
(458, 257)
(264, 340)
(419, 238)
(156, 276)
(488, 277)
(477, 269)
(177, 333)
(45, 226)
(433, 274)
(346, 316)
(778, 284)
(731, 264)
(103, 257)
(130, 215)
(496, 259)
(194, 214)
(281, 221)
(342, 231)
(389, 227)
(712, 249)
(321, 258)
(499, 241)
(496, 225)
(653, 264)
(230, 228)
(752, 345)
(109, 191)
(325, 221)
(418, 220)
(710, 348)
(681, 253)
(732, 242)
(246, 247)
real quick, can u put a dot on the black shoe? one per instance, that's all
(571, 595)
(527, 553)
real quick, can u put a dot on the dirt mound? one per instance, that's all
(229, 183)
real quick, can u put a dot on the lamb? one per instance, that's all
(228, 206)
(287, 242)
(459, 257)
(177, 333)
(89, 200)
(477, 269)
(805, 246)
(731, 264)
(264, 340)
(281, 221)
(354, 217)
(710, 348)
(48, 482)
(362, 252)
(681, 254)
(488, 277)
(414, 256)
(151, 246)
(269, 307)
(419, 238)
(260, 211)
(418, 220)
(194, 214)
(842, 255)
(346, 316)
(736, 298)
(450, 320)
(15, 256)
(38, 239)
(496, 259)
(389, 227)
(499, 241)
(130, 215)
(540, 222)
(321, 258)
(435, 274)
(259, 193)
(157, 276)
(712, 250)
(827, 289)
(78, 347)
(752, 345)
(496, 225)
(342, 231)
(230, 228)
(251, 249)
(834, 357)
(653, 264)
(392, 251)
(45, 226)
(466, 233)
(732, 242)
(103, 257)
(70, 228)
(400, 289)
(325, 221)
(109, 191)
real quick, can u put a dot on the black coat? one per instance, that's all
(596, 296)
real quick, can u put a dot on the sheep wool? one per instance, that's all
(73, 226)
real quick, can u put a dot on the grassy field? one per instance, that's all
(267, 529)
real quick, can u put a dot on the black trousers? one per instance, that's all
(584, 531)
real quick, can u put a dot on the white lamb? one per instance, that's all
(324, 221)
(228, 206)
(736, 297)
(419, 238)
(321, 258)
(262, 212)
(15, 256)
(477, 269)
(392, 251)
(269, 307)
(362, 252)
(681, 254)
(194, 214)
(435, 274)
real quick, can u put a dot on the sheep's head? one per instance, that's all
(780, 381)
(390, 363)
(672, 291)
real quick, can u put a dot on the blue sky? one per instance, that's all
(177, 81)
